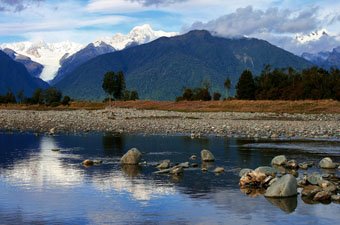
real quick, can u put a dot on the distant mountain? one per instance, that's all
(32, 67)
(160, 69)
(14, 77)
(137, 36)
(47, 54)
(325, 59)
(313, 36)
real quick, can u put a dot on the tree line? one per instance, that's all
(49, 97)
(276, 84)
(289, 84)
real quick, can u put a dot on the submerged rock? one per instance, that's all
(132, 157)
(286, 186)
(327, 163)
(279, 160)
(207, 156)
(219, 170)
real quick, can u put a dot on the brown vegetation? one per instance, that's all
(306, 106)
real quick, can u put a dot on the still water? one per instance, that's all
(40, 186)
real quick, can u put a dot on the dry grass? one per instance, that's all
(308, 106)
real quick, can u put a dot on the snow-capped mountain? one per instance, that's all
(137, 36)
(47, 54)
(314, 36)
(54, 55)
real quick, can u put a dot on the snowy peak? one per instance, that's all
(137, 36)
(47, 54)
(314, 36)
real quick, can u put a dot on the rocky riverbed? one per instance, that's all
(119, 120)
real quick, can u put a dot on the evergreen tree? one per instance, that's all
(246, 86)
(109, 84)
(227, 86)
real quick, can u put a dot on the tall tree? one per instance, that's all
(227, 86)
(109, 84)
(120, 86)
(246, 86)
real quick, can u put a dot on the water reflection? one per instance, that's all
(44, 168)
(287, 205)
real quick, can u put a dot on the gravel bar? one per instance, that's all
(121, 120)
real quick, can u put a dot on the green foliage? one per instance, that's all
(37, 97)
(52, 95)
(66, 100)
(9, 97)
(195, 94)
(246, 86)
(114, 85)
(216, 96)
(288, 84)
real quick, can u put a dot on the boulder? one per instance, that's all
(322, 196)
(165, 164)
(132, 157)
(176, 170)
(327, 185)
(219, 170)
(279, 160)
(286, 186)
(207, 156)
(253, 179)
(327, 163)
(335, 198)
(269, 171)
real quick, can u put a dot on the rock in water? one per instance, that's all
(286, 186)
(269, 171)
(279, 160)
(327, 163)
(132, 157)
(207, 156)
(219, 170)
(322, 196)
(164, 165)
(244, 171)
(88, 162)
(310, 190)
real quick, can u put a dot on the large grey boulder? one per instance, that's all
(279, 160)
(285, 186)
(327, 163)
(207, 156)
(269, 171)
(132, 157)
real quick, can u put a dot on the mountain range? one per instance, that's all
(15, 77)
(326, 59)
(160, 69)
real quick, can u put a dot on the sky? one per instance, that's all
(83, 21)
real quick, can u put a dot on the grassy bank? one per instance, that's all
(308, 106)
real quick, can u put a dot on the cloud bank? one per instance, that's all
(16, 5)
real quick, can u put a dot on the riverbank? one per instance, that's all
(127, 120)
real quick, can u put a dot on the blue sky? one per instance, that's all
(85, 20)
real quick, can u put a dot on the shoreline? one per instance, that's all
(195, 124)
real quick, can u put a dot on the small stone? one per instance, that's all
(207, 156)
(279, 160)
(177, 170)
(335, 198)
(322, 196)
(193, 157)
(184, 165)
(219, 170)
(165, 164)
(310, 190)
(303, 166)
(88, 162)
(292, 164)
(55, 149)
(204, 169)
(327, 163)
(314, 178)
